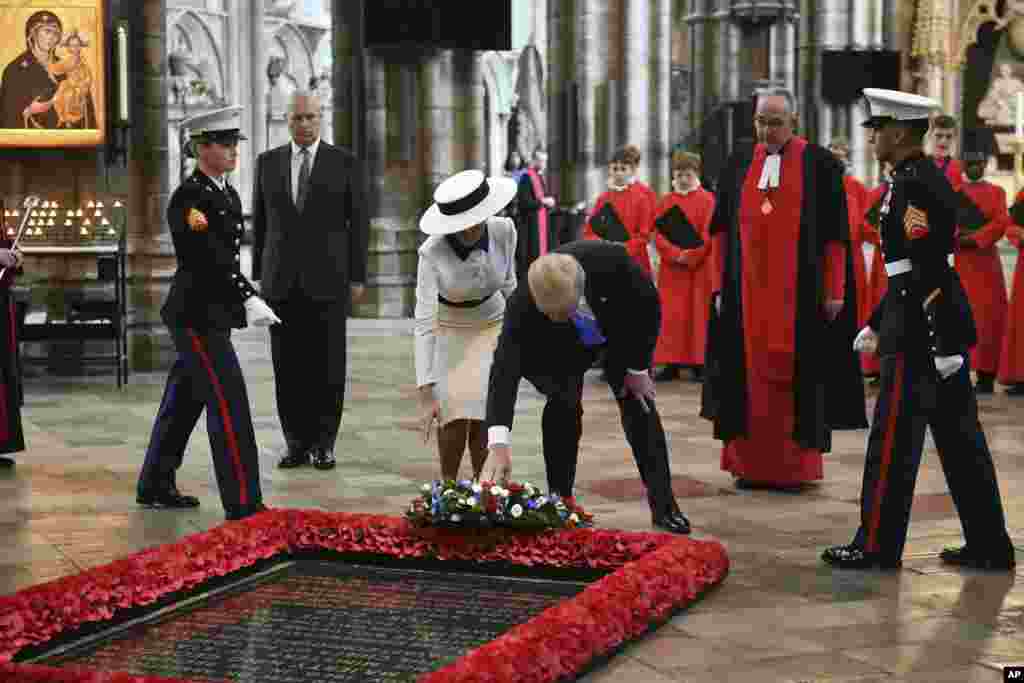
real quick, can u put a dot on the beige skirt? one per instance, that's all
(465, 348)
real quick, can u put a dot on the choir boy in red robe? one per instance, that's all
(633, 205)
(684, 280)
(1011, 356)
(780, 367)
(877, 280)
(856, 205)
(981, 270)
(943, 135)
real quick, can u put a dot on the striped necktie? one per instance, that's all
(302, 190)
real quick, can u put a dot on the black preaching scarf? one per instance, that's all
(968, 216)
(828, 391)
(607, 225)
(678, 229)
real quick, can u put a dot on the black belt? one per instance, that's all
(472, 303)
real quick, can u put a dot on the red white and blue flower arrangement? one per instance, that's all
(474, 504)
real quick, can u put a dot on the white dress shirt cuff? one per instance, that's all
(498, 434)
(636, 372)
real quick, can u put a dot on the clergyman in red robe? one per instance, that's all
(981, 270)
(684, 279)
(633, 205)
(1011, 356)
(780, 368)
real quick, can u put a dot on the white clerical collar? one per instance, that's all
(620, 188)
(770, 172)
(686, 192)
(297, 149)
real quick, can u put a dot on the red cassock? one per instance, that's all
(684, 283)
(877, 281)
(981, 271)
(635, 208)
(1011, 357)
(769, 227)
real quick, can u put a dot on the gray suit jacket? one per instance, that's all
(321, 250)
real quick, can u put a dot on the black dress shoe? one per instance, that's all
(675, 523)
(853, 557)
(242, 511)
(984, 385)
(963, 557)
(669, 373)
(697, 373)
(323, 459)
(294, 458)
(1015, 389)
(170, 498)
(6, 463)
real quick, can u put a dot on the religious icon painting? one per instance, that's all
(53, 86)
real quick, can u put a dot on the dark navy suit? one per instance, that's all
(204, 304)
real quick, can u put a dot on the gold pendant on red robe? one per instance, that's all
(766, 207)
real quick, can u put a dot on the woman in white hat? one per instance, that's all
(467, 268)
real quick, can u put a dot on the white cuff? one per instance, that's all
(497, 435)
(636, 372)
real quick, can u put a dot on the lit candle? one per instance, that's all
(122, 73)
(1020, 115)
(99, 205)
(104, 222)
(117, 204)
(67, 222)
(90, 204)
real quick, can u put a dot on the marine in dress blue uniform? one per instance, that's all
(209, 297)
(922, 331)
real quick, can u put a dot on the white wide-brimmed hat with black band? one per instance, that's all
(464, 200)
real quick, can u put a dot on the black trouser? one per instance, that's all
(205, 375)
(308, 349)
(913, 397)
(562, 427)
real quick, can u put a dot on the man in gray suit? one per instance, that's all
(310, 229)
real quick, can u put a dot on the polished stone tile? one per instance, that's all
(779, 616)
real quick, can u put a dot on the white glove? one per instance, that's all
(866, 341)
(258, 313)
(947, 365)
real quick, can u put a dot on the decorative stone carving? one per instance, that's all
(531, 118)
(987, 11)
(999, 106)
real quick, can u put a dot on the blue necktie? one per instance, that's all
(588, 329)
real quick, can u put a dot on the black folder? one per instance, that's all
(968, 216)
(607, 226)
(678, 229)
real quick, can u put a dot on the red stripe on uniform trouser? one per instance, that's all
(887, 444)
(225, 415)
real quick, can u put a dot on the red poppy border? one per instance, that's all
(652, 574)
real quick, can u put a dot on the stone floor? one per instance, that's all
(779, 616)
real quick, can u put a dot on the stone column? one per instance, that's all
(591, 71)
(439, 123)
(833, 29)
(729, 36)
(258, 77)
(697, 21)
(151, 254)
(471, 108)
(636, 81)
(782, 40)
(660, 144)
(559, 67)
